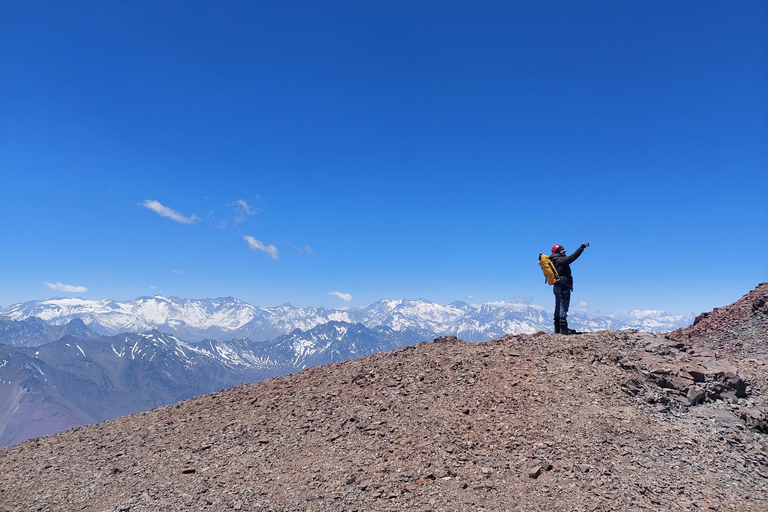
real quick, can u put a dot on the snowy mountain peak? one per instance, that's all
(229, 318)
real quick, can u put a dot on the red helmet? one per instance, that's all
(556, 248)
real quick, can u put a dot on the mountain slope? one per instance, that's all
(530, 422)
(742, 326)
(526, 423)
(335, 341)
(74, 382)
(32, 331)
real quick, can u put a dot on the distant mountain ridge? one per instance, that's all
(231, 318)
(33, 331)
(57, 372)
(70, 382)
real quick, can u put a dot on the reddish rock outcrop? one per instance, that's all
(739, 328)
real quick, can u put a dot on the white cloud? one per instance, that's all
(66, 287)
(522, 299)
(172, 214)
(304, 250)
(583, 304)
(270, 249)
(244, 210)
(177, 271)
(343, 296)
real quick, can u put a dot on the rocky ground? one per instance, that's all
(615, 420)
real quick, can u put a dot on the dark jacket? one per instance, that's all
(563, 266)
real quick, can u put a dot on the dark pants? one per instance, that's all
(562, 302)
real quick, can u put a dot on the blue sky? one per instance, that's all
(337, 153)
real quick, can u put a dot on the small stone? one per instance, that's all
(695, 395)
(652, 347)
(534, 472)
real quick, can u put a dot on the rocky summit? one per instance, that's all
(613, 420)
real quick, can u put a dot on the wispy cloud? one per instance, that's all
(66, 287)
(258, 245)
(522, 299)
(343, 296)
(172, 214)
(177, 271)
(304, 250)
(244, 210)
(583, 304)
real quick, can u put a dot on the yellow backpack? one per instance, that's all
(550, 272)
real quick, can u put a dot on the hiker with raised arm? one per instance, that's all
(557, 270)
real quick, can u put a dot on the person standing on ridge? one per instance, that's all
(563, 288)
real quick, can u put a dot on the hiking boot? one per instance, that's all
(565, 330)
(557, 326)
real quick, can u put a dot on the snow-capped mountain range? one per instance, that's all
(83, 378)
(74, 381)
(68, 362)
(231, 318)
